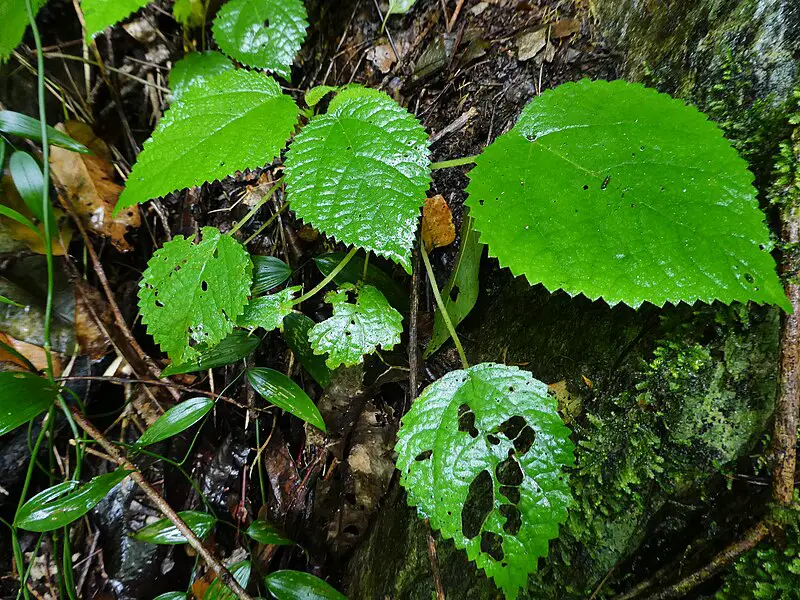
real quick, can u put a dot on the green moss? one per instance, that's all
(765, 573)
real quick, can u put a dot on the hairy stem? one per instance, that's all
(448, 323)
(329, 278)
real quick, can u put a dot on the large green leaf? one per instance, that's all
(196, 69)
(62, 504)
(353, 272)
(236, 346)
(164, 532)
(175, 420)
(265, 34)
(13, 23)
(219, 591)
(481, 454)
(295, 332)
(613, 190)
(268, 312)
(278, 389)
(359, 173)
(100, 14)
(237, 120)
(191, 294)
(23, 396)
(356, 328)
(296, 585)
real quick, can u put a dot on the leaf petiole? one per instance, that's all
(442, 309)
(455, 162)
(328, 278)
(258, 206)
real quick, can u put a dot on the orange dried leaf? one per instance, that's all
(35, 354)
(437, 223)
(565, 27)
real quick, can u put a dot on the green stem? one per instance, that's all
(366, 265)
(257, 207)
(456, 162)
(329, 278)
(266, 224)
(442, 309)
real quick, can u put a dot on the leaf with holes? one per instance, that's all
(481, 454)
(268, 312)
(196, 69)
(237, 120)
(613, 190)
(100, 14)
(360, 172)
(264, 34)
(356, 328)
(191, 294)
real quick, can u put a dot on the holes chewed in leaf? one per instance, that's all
(513, 518)
(454, 294)
(525, 440)
(492, 544)
(512, 427)
(509, 471)
(512, 493)
(478, 505)
(424, 455)
(466, 421)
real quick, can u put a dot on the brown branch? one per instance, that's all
(217, 567)
(437, 578)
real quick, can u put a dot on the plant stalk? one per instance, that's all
(448, 323)
(257, 206)
(455, 162)
(329, 278)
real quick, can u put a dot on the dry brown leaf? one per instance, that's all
(569, 405)
(437, 223)
(565, 27)
(17, 231)
(33, 353)
(87, 182)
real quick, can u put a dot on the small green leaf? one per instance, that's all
(236, 346)
(13, 23)
(613, 190)
(461, 291)
(489, 436)
(23, 396)
(193, 293)
(62, 504)
(211, 132)
(359, 173)
(398, 7)
(353, 272)
(296, 585)
(100, 14)
(317, 93)
(263, 34)
(268, 272)
(164, 532)
(196, 69)
(357, 328)
(177, 419)
(295, 333)
(266, 533)
(219, 591)
(171, 596)
(23, 126)
(268, 312)
(19, 218)
(276, 388)
(28, 180)
(189, 13)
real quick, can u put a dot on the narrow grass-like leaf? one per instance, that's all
(10, 302)
(237, 120)
(23, 396)
(236, 346)
(175, 420)
(266, 533)
(100, 14)
(28, 179)
(295, 332)
(268, 312)
(14, 123)
(353, 272)
(196, 69)
(219, 591)
(62, 504)
(296, 585)
(268, 272)
(264, 34)
(276, 388)
(164, 532)
(19, 218)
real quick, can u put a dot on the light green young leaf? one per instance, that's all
(461, 291)
(264, 34)
(489, 436)
(196, 69)
(359, 173)
(296, 585)
(13, 23)
(612, 190)
(164, 532)
(356, 328)
(317, 93)
(236, 346)
(23, 396)
(219, 591)
(189, 13)
(268, 312)
(295, 333)
(100, 14)
(14, 123)
(278, 389)
(237, 120)
(192, 294)
(400, 6)
(266, 533)
(268, 272)
(62, 504)
(353, 272)
(175, 420)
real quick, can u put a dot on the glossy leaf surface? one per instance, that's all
(268, 312)
(175, 420)
(219, 591)
(196, 69)
(164, 532)
(359, 173)
(613, 190)
(353, 272)
(236, 346)
(296, 585)
(100, 14)
(23, 396)
(266, 533)
(268, 272)
(278, 389)
(295, 333)
(481, 454)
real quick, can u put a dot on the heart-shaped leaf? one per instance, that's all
(175, 420)
(164, 532)
(276, 388)
(353, 272)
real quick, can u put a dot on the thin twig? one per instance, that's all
(437, 577)
(215, 565)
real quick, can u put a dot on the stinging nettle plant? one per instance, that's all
(606, 189)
